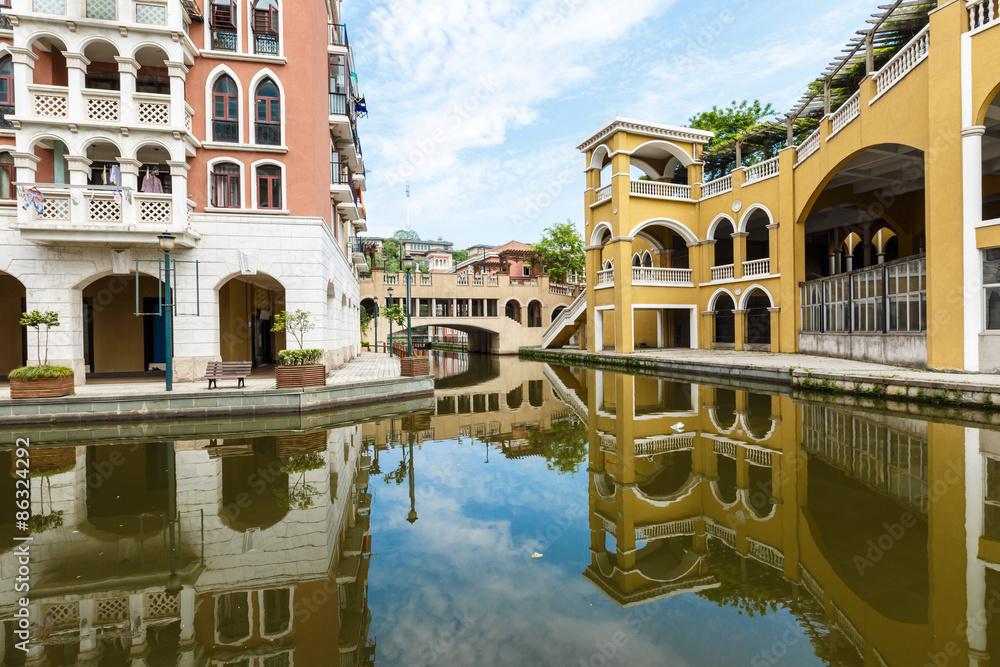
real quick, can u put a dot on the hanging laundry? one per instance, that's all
(116, 175)
(151, 183)
(118, 197)
(34, 198)
(104, 175)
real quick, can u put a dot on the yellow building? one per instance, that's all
(871, 233)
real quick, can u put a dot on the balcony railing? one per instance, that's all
(265, 43)
(660, 190)
(659, 276)
(762, 170)
(725, 272)
(103, 106)
(223, 40)
(152, 109)
(6, 110)
(603, 194)
(338, 104)
(340, 173)
(606, 278)
(909, 57)
(847, 112)
(887, 298)
(49, 101)
(268, 134)
(808, 147)
(757, 267)
(226, 130)
(338, 34)
(982, 13)
(717, 187)
(560, 290)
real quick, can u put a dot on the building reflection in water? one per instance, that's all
(271, 553)
(867, 527)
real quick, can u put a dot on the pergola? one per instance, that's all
(892, 28)
(503, 259)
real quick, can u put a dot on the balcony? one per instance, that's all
(100, 107)
(605, 278)
(94, 217)
(226, 131)
(268, 134)
(661, 277)
(224, 40)
(265, 43)
(338, 34)
(725, 272)
(338, 104)
(657, 190)
(357, 252)
(756, 267)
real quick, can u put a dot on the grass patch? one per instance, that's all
(39, 372)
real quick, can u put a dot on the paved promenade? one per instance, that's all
(365, 368)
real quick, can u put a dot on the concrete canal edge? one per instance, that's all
(872, 390)
(202, 404)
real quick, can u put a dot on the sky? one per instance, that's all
(479, 106)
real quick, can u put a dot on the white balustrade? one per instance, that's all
(660, 190)
(843, 116)
(982, 13)
(809, 146)
(766, 554)
(390, 278)
(727, 535)
(664, 444)
(492, 281)
(719, 186)
(762, 170)
(463, 279)
(603, 194)
(101, 207)
(609, 526)
(727, 449)
(657, 276)
(725, 272)
(606, 278)
(49, 101)
(560, 290)
(669, 529)
(425, 279)
(905, 60)
(609, 443)
(757, 267)
(759, 457)
(849, 629)
(102, 105)
(814, 588)
(154, 208)
(56, 206)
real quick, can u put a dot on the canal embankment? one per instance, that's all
(370, 379)
(803, 374)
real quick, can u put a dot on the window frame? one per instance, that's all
(271, 105)
(257, 177)
(8, 78)
(212, 189)
(987, 287)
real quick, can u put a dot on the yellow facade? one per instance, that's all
(894, 194)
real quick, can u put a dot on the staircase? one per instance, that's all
(564, 326)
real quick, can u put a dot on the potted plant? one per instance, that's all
(41, 380)
(298, 368)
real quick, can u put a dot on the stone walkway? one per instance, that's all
(368, 366)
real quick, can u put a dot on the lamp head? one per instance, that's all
(166, 240)
(390, 291)
(408, 263)
(173, 586)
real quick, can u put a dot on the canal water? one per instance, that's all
(527, 514)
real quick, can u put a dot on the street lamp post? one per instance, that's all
(389, 305)
(167, 240)
(408, 265)
(376, 325)
(412, 516)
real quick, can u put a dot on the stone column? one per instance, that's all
(972, 205)
(708, 258)
(741, 326)
(130, 179)
(739, 252)
(178, 74)
(25, 164)
(79, 171)
(772, 249)
(76, 73)
(23, 60)
(128, 68)
(178, 198)
(775, 328)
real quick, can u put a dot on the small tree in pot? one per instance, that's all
(41, 380)
(298, 368)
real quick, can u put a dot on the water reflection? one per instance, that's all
(712, 525)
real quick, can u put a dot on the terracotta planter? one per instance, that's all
(297, 377)
(42, 388)
(414, 366)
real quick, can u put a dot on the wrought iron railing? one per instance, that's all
(338, 104)
(265, 43)
(223, 40)
(269, 134)
(338, 34)
(226, 130)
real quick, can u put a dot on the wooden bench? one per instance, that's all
(226, 370)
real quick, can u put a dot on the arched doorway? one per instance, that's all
(247, 305)
(723, 246)
(557, 311)
(758, 244)
(512, 310)
(758, 321)
(116, 341)
(14, 350)
(725, 322)
(255, 489)
(124, 482)
(534, 314)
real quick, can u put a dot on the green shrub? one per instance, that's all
(299, 357)
(39, 372)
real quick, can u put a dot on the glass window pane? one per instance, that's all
(220, 107)
(275, 111)
(993, 308)
(276, 192)
(991, 266)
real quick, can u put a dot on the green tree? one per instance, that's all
(565, 446)
(298, 324)
(562, 251)
(390, 256)
(40, 322)
(459, 256)
(729, 124)
(405, 235)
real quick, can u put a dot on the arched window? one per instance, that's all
(226, 185)
(225, 110)
(6, 176)
(265, 27)
(269, 187)
(223, 20)
(268, 103)
(636, 260)
(6, 90)
(647, 259)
